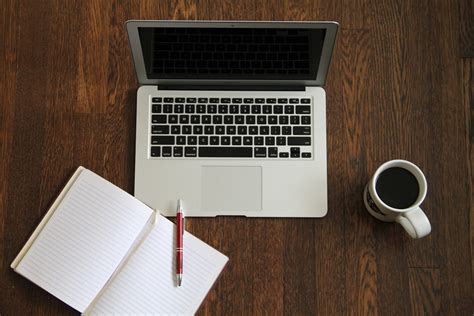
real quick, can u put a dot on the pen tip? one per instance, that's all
(180, 278)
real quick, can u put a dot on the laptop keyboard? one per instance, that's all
(198, 127)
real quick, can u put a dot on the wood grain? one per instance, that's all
(400, 86)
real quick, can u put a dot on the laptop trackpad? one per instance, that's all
(231, 188)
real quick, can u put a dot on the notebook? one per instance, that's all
(102, 251)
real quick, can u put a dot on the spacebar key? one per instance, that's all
(239, 152)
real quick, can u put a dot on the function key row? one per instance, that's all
(232, 100)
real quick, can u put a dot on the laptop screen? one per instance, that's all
(231, 53)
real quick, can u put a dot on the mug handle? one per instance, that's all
(415, 223)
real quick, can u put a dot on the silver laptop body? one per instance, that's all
(231, 116)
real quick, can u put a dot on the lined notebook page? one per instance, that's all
(146, 284)
(85, 240)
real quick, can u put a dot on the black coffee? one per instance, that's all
(397, 187)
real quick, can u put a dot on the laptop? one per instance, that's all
(231, 116)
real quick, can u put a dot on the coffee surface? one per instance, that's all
(397, 187)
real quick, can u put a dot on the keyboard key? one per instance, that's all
(267, 109)
(294, 101)
(191, 100)
(264, 130)
(157, 119)
(286, 130)
(192, 140)
(258, 140)
(239, 119)
(214, 140)
(301, 130)
(259, 100)
(272, 119)
(225, 140)
(284, 155)
(225, 100)
(230, 130)
(278, 109)
(181, 140)
(306, 120)
(197, 129)
(271, 100)
(179, 100)
(237, 140)
(155, 151)
(248, 100)
(281, 141)
(289, 109)
(168, 100)
(173, 119)
(166, 151)
(261, 119)
(214, 100)
(306, 155)
(272, 152)
(248, 140)
(295, 119)
(228, 119)
(217, 119)
(302, 141)
(256, 109)
(303, 109)
(244, 109)
(209, 130)
(190, 151)
(162, 140)
(211, 108)
(275, 130)
(187, 129)
(160, 129)
(242, 130)
(223, 109)
(203, 140)
(220, 130)
(305, 101)
(189, 108)
(156, 108)
(178, 108)
(295, 152)
(260, 152)
(282, 101)
(202, 100)
(253, 130)
(234, 109)
(239, 152)
(167, 108)
(195, 119)
(283, 120)
(206, 119)
(236, 100)
(177, 151)
(184, 119)
(175, 129)
(201, 108)
(156, 99)
(270, 141)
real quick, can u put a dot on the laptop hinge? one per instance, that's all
(232, 87)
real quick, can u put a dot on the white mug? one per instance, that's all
(412, 218)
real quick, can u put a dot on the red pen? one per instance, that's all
(179, 243)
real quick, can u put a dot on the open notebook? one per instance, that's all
(102, 251)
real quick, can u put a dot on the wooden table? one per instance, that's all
(400, 86)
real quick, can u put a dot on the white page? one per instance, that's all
(147, 283)
(85, 240)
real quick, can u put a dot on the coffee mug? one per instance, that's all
(394, 194)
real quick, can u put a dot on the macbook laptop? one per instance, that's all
(231, 116)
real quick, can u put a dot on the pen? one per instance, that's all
(179, 243)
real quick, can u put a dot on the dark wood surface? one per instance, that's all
(400, 86)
